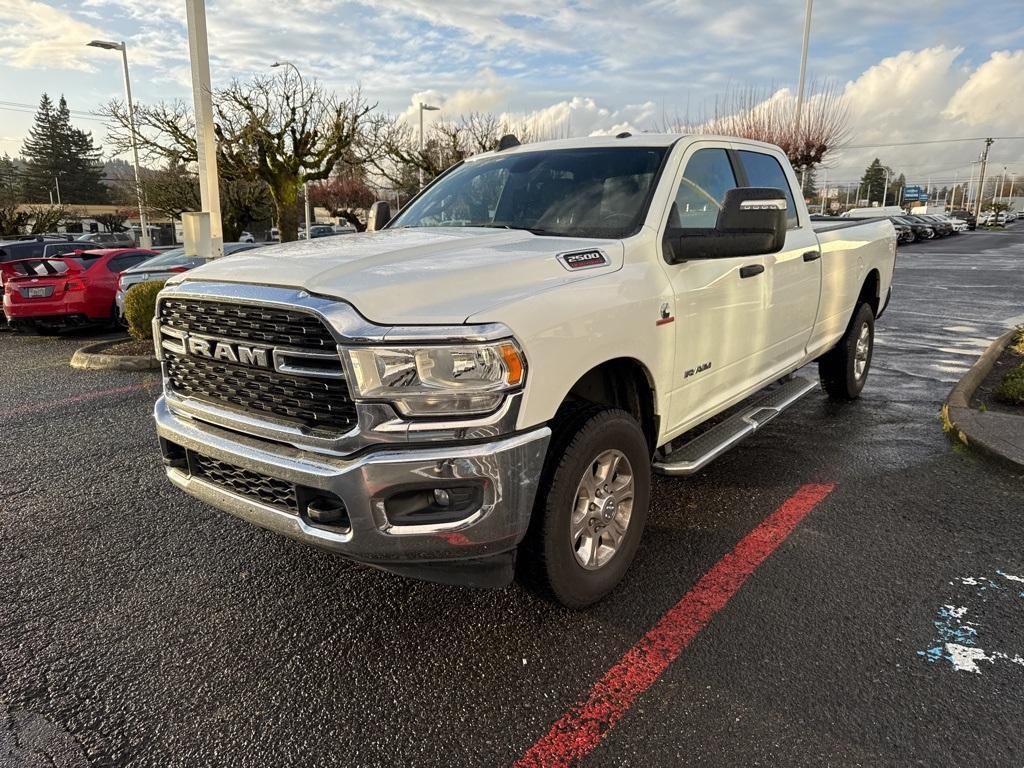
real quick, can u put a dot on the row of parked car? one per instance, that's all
(928, 226)
(65, 287)
(910, 228)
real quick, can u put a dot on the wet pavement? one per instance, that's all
(139, 627)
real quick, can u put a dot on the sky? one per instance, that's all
(910, 72)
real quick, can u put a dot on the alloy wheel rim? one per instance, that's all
(602, 509)
(862, 352)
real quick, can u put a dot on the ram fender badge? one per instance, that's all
(586, 259)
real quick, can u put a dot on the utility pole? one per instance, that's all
(56, 181)
(981, 178)
(206, 140)
(885, 189)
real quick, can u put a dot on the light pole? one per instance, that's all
(144, 240)
(302, 95)
(423, 108)
(803, 67)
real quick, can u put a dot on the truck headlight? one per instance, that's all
(443, 380)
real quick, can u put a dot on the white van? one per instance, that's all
(882, 211)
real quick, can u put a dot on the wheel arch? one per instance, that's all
(871, 291)
(622, 382)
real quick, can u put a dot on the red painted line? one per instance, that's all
(82, 398)
(583, 727)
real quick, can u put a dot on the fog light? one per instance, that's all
(441, 497)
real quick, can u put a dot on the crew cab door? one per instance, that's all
(793, 287)
(720, 328)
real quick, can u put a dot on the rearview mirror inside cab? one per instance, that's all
(752, 222)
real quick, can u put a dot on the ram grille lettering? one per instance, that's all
(225, 351)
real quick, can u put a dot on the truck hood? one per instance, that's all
(435, 275)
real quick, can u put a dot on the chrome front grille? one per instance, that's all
(246, 322)
(265, 362)
(318, 404)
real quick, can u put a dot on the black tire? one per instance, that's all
(548, 556)
(841, 376)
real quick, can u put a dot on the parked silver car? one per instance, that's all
(164, 266)
(107, 239)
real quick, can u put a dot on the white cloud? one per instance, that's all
(993, 95)
(927, 95)
(35, 35)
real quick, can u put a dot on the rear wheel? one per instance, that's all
(844, 369)
(591, 506)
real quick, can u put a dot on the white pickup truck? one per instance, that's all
(484, 385)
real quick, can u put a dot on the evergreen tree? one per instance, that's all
(872, 183)
(897, 188)
(57, 153)
(10, 182)
(40, 152)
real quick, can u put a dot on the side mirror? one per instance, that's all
(752, 222)
(379, 216)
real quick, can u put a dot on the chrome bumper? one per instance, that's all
(507, 471)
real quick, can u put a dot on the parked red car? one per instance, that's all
(67, 291)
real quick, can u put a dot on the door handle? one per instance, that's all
(751, 269)
(812, 255)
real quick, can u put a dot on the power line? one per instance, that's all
(929, 141)
(32, 112)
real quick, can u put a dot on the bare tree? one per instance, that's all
(281, 131)
(346, 195)
(286, 132)
(32, 220)
(392, 146)
(113, 222)
(753, 113)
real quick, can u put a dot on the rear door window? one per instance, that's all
(765, 171)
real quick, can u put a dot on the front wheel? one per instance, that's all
(591, 506)
(844, 369)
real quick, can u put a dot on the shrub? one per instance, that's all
(1017, 344)
(139, 308)
(1011, 390)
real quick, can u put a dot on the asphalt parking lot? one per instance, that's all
(138, 627)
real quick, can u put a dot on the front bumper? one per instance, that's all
(475, 549)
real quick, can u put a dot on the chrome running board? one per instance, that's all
(693, 456)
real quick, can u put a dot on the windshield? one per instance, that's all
(598, 192)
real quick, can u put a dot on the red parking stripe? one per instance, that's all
(583, 727)
(84, 397)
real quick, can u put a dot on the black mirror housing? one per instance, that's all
(752, 222)
(379, 216)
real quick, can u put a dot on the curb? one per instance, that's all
(91, 357)
(981, 430)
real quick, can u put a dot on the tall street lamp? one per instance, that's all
(305, 184)
(424, 108)
(144, 239)
(803, 64)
